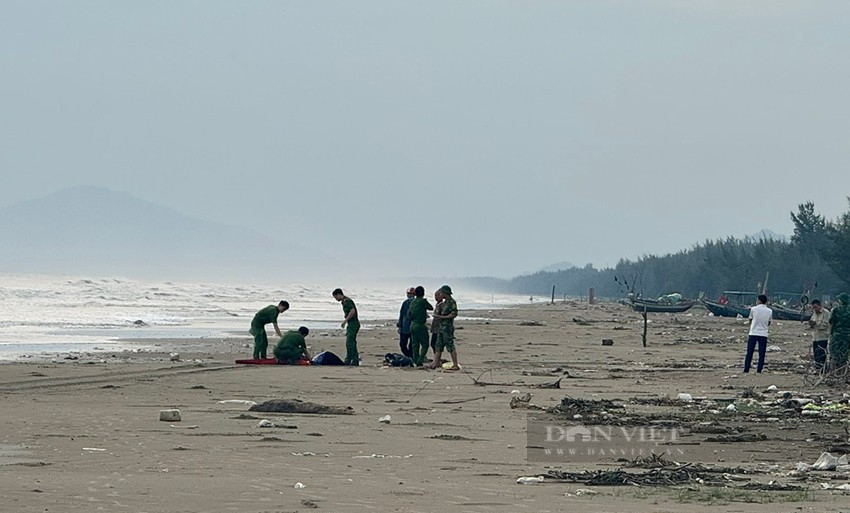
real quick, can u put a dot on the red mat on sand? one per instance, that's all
(268, 361)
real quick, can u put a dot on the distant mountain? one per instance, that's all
(92, 230)
(560, 266)
(767, 235)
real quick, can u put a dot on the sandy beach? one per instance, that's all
(85, 434)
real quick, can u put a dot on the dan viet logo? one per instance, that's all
(551, 442)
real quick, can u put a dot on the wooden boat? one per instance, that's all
(781, 313)
(651, 306)
(727, 310)
(735, 307)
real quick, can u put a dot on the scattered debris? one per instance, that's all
(552, 384)
(607, 342)
(523, 401)
(238, 401)
(580, 492)
(459, 401)
(386, 419)
(530, 480)
(297, 406)
(681, 474)
(685, 398)
(746, 437)
(651, 461)
(572, 406)
(265, 424)
(656, 401)
(450, 437)
(829, 486)
(826, 461)
(710, 428)
(531, 323)
(383, 456)
(299, 485)
(169, 415)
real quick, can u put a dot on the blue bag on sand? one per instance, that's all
(397, 360)
(327, 358)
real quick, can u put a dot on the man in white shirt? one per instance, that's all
(760, 316)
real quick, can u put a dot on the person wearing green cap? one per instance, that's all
(839, 324)
(267, 315)
(292, 347)
(418, 314)
(351, 325)
(446, 335)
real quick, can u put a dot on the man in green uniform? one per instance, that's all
(418, 314)
(839, 323)
(446, 336)
(292, 347)
(258, 327)
(351, 325)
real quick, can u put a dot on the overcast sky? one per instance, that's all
(450, 138)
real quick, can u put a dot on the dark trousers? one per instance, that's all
(751, 345)
(404, 344)
(819, 352)
(352, 357)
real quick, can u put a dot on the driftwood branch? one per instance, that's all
(481, 383)
(459, 401)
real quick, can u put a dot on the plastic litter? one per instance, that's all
(530, 480)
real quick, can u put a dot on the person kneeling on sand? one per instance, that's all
(292, 347)
(446, 335)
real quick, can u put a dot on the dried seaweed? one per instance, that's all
(572, 406)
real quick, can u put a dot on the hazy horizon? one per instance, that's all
(440, 138)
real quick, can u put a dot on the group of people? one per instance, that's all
(413, 332)
(830, 333)
(292, 346)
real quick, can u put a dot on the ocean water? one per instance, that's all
(50, 314)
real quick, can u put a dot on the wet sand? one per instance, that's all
(85, 434)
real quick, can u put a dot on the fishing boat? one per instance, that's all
(725, 310)
(653, 306)
(781, 313)
(735, 304)
(642, 305)
(732, 303)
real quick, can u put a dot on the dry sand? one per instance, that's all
(85, 435)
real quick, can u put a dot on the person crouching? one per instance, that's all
(292, 347)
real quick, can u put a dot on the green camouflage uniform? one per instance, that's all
(352, 357)
(839, 322)
(258, 328)
(290, 348)
(418, 314)
(446, 337)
